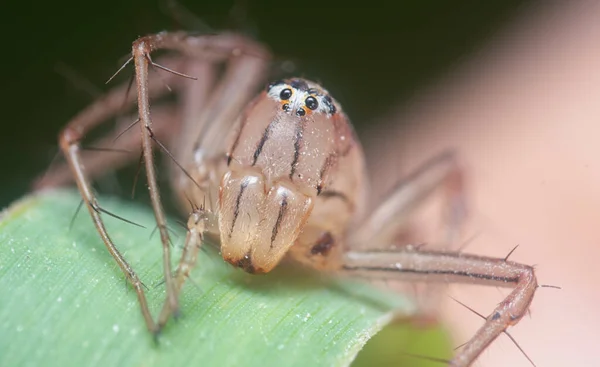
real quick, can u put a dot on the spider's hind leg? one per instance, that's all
(391, 224)
(387, 221)
(420, 264)
(454, 267)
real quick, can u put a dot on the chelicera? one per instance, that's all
(273, 173)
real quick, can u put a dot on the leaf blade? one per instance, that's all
(69, 304)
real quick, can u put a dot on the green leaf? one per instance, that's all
(64, 302)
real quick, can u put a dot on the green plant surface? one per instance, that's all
(64, 302)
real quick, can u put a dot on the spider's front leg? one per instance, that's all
(199, 153)
(82, 168)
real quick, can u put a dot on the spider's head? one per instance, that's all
(302, 97)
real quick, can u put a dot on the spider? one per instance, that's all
(279, 174)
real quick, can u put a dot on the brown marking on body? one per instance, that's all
(246, 264)
(324, 245)
(243, 123)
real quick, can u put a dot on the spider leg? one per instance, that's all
(125, 151)
(70, 139)
(387, 225)
(412, 263)
(70, 144)
(199, 223)
(385, 222)
(425, 266)
(206, 124)
(116, 101)
(213, 48)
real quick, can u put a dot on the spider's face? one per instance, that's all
(301, 98)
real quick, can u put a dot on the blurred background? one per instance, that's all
(512, 85)
(368, 57)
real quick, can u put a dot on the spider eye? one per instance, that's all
(311, 102)
(329, 104)
(285, 94)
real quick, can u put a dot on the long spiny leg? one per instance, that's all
(70, 139)
(126, 151)
(116, 101)
(394, 261)
(70, 143)
(193, 100)
(211, 48)
(383, 225)
(411, 264)
(455, 267)
(386, 226)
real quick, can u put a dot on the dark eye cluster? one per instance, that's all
(311, 102)
(329, 103)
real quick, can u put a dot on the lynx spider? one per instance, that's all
(281, 174)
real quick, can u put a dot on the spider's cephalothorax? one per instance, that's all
(293, 176)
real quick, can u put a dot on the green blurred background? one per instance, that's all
(368, 56)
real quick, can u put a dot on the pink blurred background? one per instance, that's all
(524, 116)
